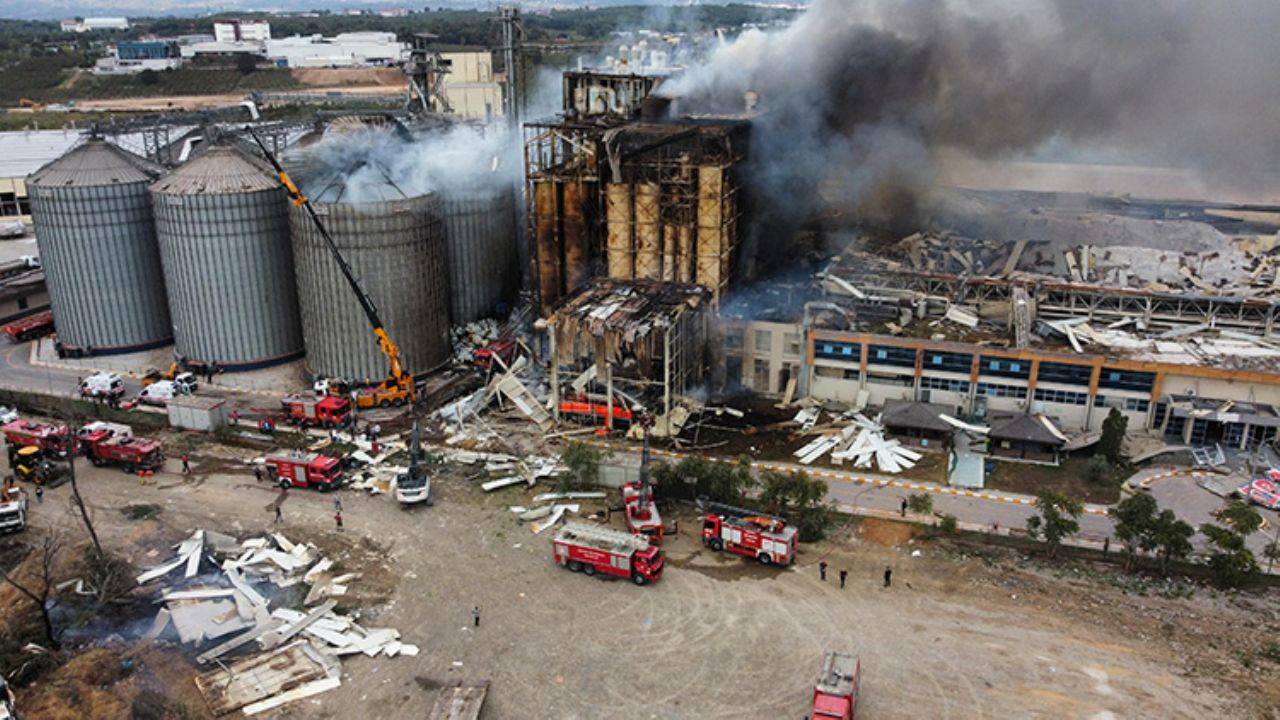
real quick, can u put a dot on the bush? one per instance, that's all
(583, 462)
(947, 525)
(1098, 469)
(920, 503)
(149, 77)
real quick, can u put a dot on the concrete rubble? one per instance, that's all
(232, 592)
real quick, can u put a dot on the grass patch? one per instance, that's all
(141, 511)
(1070, 478)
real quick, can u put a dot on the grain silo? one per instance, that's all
(223, 224)
(480, 231)
(93, 224)
(397, 250)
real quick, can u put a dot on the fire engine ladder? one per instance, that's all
(731, 511)
(604, 536)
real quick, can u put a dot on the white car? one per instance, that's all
(7, 415)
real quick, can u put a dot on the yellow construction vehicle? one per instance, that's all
(398, 388)
(33, 465)
(153, 375)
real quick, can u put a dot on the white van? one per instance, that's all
(102, 385)
(162, 391)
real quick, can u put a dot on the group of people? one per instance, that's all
(844, 574)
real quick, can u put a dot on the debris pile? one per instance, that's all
(862, 442)
(551, 513)
(241, 602)
(467, 339)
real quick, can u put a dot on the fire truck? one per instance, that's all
(591, 549)
(52, 440)
(105, 443)
(835, 695)
(30, 327)
(292, 469)
(323, 410)
(1264, 491)
(592, 409)
(766, 538)
(642, 514)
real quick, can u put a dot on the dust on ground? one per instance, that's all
(961, 633)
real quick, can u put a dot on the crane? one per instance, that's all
(398, 387)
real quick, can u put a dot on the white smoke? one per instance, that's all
(383, 163)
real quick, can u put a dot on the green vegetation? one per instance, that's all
(920, 503)
(697, 477)
(1114, 428)
(1058, 520)
(947, 525)
(799, 498)
(1229, 560)
(583, 461)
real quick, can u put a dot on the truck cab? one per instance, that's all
(304, 470)
(835, 694)
(323, 410)
(13, 508)
(102, 386)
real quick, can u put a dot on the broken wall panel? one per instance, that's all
(547, 251)
(648, 240)
(619, 217)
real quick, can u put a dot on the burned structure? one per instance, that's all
(633, 339)
(618, 186)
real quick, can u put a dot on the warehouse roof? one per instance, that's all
(94, 163)
(23, 152)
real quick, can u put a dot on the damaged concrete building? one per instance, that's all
(627, 192)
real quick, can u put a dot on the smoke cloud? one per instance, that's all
(385, 163)
(867, 95)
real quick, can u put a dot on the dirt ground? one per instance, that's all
(1069, 478)
(958, 635)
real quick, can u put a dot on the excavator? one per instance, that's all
(398, 388)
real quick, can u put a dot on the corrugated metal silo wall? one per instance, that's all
(397, 250)
(102, 265)
(481, 235)
(228, 264)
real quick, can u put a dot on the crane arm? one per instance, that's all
(388, 347)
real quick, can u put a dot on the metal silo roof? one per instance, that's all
(93, 164)
(219, 169)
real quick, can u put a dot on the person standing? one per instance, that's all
(39, 492)
(337, 504)
(279, 515)
(475, 615)
(822, 570)
(888, 576)
(844, 574)
(337, 518)
(902, 509)
(186, 465)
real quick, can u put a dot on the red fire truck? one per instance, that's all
(590, 549)
(835, 695)
(30, 327)
(323, 410)
(53, 440)
(766, 538)
(1264, 491)
(304, 470)
(106, 443)
(642, 514)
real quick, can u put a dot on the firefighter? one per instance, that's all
(844, 574)
(822, 570)
(888, 576)
(39, 492)
(337, 518)
(902, 509)
(186, 465)
(475, 615)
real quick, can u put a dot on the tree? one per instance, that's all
(583, 462)
(1171, 537)
(39, 588)
(78, 503)
(947, 525)
(1134, 516)
(1272, 553)
(246, 63)
(1241, 517)
(1230, 560)
(1113, 432)
(1097, 469)
(800, 498)
(920, 503)
(149, 77)
(1058, 519)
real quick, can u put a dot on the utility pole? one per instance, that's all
(512, 36)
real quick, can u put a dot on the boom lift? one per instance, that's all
(398, 387)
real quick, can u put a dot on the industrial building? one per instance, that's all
(468, 83)
(629, 192)
(354, 49)
(90, 24)
(22, 153)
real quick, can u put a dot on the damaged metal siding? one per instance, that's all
(480, 230)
